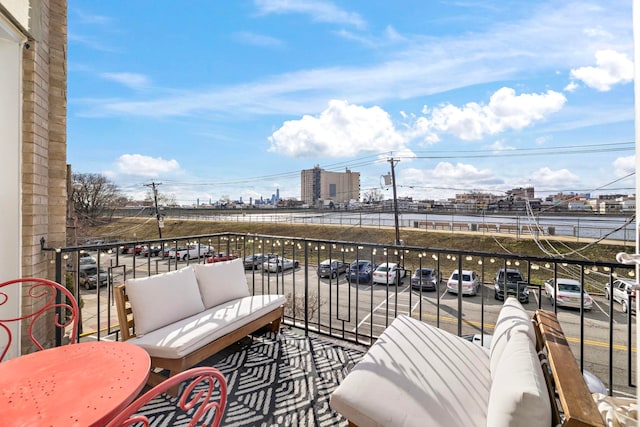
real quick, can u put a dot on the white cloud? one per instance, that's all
(571, 87)
(461, 173)
(445, 180)
(132, 80)
(256, 39)
(416, 69)
(558, 179)
(500, 146)
(624, 165)
(320, 11)
(341, 130)
(505, 110)
(145, 166)
(389, 36)
(393, 35)
(92, 18)
(612, 68)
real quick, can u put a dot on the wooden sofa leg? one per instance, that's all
(156, 378)
(275, 326)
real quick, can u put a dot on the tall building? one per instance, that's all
(320, 185)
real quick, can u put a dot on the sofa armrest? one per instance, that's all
(576, 403)
(125, 314)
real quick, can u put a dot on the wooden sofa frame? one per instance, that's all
(572, 404)
(271, 319)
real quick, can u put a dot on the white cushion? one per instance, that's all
(187, 335)
(511, 319)
(162, 299)
(220, 282)
(417, 375)
(519, 395)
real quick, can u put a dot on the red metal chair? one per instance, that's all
(198, 395)
(42, 294)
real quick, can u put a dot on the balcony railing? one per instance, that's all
(602, 339)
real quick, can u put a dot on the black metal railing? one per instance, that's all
(601, 335)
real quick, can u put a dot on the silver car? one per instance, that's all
(623, 290)
(332, 268)
(568, 294)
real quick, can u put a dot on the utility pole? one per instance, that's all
(395, 199)
(154, 188)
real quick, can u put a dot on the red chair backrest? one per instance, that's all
(199, 394)
(42, 294)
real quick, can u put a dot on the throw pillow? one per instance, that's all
(159, 300)
(221, 282)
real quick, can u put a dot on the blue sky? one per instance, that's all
(235, 98)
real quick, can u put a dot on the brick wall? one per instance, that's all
(44, 194)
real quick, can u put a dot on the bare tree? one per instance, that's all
(94, 196)
(163, 199)
(294, 307)
(373, 195)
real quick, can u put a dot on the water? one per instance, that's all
(591, 227)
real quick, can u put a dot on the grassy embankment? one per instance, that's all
(131, 229)
(486, 242)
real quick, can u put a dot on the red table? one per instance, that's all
(81, 384)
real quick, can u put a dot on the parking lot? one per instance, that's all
(365, 310)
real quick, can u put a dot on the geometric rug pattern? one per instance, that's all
(273, 379)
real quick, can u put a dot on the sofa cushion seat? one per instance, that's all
(417, 375)
(187, 335)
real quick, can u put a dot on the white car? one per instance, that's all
(189, 252)
(275, 265)
(622, 290)
(569, 291)
(388, 272)
(470, 284)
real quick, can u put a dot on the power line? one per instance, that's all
(378, 158)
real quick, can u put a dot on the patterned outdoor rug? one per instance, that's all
(274, 380)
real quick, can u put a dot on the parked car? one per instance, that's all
(131, 249)
(278, 264)
(101, 277)
(388, 273)
(222, 256)
(255, 261)
(514, 283)
(88, 276)
(176, 252)
(470, 284)
(88, 259)
(360, 271)
(332, 268)
(168, 250)
(426, 278)
(623, 293)
(569, 291)
(147, 251)
(188, 252)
